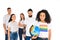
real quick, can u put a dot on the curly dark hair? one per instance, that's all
(47, 19)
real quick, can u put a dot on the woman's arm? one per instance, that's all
(8, 33)
(49, 34)
(20, 24)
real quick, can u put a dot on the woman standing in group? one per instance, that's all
(12, 28)
(44, 21)
(21, 24)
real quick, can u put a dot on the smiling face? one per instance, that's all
(30, 13)
(42, 16)
(13, 18)
(21, 16)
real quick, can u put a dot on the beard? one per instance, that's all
(30, 15)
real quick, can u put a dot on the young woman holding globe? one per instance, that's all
(44, 21)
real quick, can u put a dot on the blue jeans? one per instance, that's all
(42, 38)
(27, 38)
(20, 31)
(6, 35)
(13, 36)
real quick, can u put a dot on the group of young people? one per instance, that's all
(12, 28)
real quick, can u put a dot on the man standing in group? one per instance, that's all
(5, 22)
(29, 22)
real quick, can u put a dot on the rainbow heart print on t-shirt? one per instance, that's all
(43, 28)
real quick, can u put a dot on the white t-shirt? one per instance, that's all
(13, 26)
(29, 22)
(22, 22)
(44, 27)
(5, 20)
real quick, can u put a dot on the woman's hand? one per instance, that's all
(24, 25)
(8, 38)
(49, 36)
(20, 24)
(24, 35)
(6, 32)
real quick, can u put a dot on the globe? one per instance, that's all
(34, 30)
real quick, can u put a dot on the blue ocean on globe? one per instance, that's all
(35, 31)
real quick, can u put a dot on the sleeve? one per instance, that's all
(25, 22)
(35, 23)
(4, 20)
(49, 26)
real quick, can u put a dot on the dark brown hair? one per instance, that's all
(8, 8)
(30, 10)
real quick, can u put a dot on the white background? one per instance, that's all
(19, 6)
